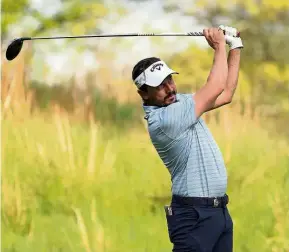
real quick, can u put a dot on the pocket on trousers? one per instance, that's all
(181, 222)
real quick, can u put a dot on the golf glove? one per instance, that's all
(230, 37)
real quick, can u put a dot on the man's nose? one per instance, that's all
(169, 87)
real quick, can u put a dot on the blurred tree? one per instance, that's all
(11, 13)
(265, 33)
(44, 18)
(75, 16)
(264, 25)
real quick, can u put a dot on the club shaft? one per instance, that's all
(121, 35)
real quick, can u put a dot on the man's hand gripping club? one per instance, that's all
(231, 38)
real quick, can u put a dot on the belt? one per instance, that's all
(202, 201)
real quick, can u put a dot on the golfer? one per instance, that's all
(197, 218)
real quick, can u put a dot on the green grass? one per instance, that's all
(70, 187)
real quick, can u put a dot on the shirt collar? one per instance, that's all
(149, 109)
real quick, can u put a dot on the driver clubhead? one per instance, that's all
(14, 49)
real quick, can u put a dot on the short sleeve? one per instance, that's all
(179, 116)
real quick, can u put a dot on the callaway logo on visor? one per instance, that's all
(154, 75)
(157, 66)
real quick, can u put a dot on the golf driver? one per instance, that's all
(16, 45)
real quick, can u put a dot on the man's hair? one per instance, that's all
(142, 66)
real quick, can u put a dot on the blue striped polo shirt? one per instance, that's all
(187, 148)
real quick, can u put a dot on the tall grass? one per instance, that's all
(67, 187)
(70, 186)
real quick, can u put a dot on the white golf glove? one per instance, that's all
(231, 37)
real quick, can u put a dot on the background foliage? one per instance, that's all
(78, 170)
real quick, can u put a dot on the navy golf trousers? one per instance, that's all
(200, 224)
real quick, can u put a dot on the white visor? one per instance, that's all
(154, 75)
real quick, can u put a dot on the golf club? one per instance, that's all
(15, 46)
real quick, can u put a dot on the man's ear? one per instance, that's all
(143, 94)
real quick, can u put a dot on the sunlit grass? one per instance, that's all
(74, 186)
(71, 187)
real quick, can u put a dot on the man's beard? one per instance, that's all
(170, 94)
(153, 103)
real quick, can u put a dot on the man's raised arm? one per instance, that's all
(235, 45)
(206, 96)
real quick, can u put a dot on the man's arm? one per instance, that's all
(232, 81)
(235, 45)
(206, 96)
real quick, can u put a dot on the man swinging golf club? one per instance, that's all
(197, 218)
